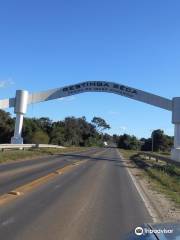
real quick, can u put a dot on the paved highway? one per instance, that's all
(15, 174)
(96, 200)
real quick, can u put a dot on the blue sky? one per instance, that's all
(48, 44)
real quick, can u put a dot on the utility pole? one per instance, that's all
(152, 140)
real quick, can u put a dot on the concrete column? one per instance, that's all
(20, 109)
(177, 136)
(175, 152)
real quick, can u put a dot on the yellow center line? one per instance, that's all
(15, 193)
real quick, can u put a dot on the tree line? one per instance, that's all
(158, 142)
(79, 132)
(69, 132)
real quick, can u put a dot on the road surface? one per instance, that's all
(15, 174)
(96, 200)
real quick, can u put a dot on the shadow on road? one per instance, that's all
(89, 157)
(118, 162)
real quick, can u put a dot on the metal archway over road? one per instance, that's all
(23, 99)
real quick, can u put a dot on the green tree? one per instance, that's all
(70, 131)
(30, 126)
(146, 144)
(40, 137)
(6, 127)
(45, 124)
(57, 135)
(161, 142)
(100, 124)
(126, 141)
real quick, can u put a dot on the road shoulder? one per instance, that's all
(159, 206)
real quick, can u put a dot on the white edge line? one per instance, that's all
(146, 201)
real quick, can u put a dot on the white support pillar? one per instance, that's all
(20, 109)
(175, 152)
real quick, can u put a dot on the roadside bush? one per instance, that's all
(40, 137)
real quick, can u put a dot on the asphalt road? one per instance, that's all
(17, 173)
(96, 200)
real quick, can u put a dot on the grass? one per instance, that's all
(128, 153)
(13, 155)
(168, 154)
(163, 154)
(165, 178)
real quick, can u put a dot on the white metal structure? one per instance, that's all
(23, 99)
(26, 146)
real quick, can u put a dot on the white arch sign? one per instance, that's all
(23, 99)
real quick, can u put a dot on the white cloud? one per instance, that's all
(6, 83)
